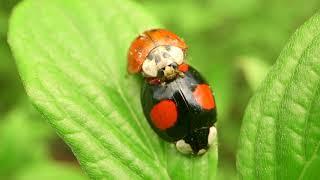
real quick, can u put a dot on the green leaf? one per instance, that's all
(11, 89)
(280, 135)
(3, 24)
(204, 15)
(50, 171)
(23, 139)
(254, 70)
(71, 56)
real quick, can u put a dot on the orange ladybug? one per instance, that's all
(177, 101)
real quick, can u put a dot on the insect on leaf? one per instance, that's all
(71, 56)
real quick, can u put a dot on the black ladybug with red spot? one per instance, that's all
(176, 100)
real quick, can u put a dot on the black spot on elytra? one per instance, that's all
(165, 55)
(150, 56)
(157, 59)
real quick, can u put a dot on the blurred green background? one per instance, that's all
(234, 42)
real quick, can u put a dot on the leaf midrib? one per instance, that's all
(307, 122)
(307, 164)
(314, 154)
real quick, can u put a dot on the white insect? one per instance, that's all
(161, 57)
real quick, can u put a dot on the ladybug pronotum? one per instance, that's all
(176, 100)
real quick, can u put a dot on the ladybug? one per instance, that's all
(177, 101)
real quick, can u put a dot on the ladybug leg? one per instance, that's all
(180, 73)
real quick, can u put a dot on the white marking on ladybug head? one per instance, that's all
(212, 135)
(160, 57)
(201, 151)
(183, 147)
(149, 68)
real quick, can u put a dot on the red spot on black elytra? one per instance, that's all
(203, 96)
(183, 67)
(164, 114)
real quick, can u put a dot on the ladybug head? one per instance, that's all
(162, 62)
(156, 53)
(197, 142)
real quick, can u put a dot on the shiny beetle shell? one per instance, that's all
(182, 111)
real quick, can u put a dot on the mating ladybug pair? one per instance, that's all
(176, 100)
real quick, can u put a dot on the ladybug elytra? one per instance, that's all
(176, 100)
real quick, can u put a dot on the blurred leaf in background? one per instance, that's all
(10, 85)
(25, 142)
(50, 171)
(23, 139)
(253, 69)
